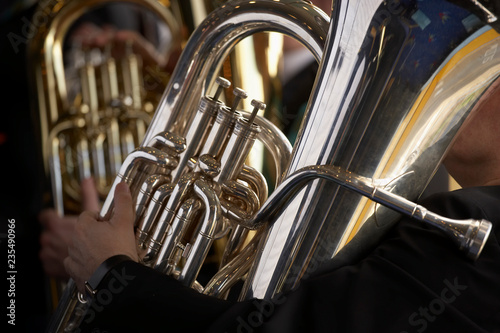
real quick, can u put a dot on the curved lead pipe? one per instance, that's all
(470, 235)
(241, 193)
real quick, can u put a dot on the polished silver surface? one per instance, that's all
(153, 211)
(198, 132)
(181, 192)
(384, 106)
(469, 235)
(206, 235)
(275, 142)
(136, 167)
(145, 194)
(214, 39)
(189, 209)
(489, 15)
(239, 144)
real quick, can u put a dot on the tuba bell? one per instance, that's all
(384, 107)
(383, 111)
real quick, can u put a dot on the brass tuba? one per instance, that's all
(378, 123)
(94, 102)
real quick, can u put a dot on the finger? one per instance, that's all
(124, 210)
(48, 217)
(85, 222)
(90, 197)
(52, 263)
(46, 240)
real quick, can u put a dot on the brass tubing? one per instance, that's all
(127, 141)
(139, 126)
(197, 133)
(233, 271)
(256, 181)
(55, 162)
(205, 237)
(181, 192)
(99, 161)
(221, 131)
(189, 209)
(109, 78)
(56, 176)
(132, 77)
(239, 145)
(114, 151)
(157, 204)
(83, 158)
(141, 160)
(89, 94)
(146, 191)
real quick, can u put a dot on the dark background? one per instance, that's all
(21, 178)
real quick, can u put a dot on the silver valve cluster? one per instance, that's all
(218, 142)
(212, 128)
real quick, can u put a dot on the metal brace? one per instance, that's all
(490, 17)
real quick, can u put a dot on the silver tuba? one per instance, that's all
(379, 120)
(385, 106)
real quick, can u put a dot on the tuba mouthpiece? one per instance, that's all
(475, 239)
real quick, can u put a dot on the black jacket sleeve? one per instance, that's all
(135, 298)
(415, 280)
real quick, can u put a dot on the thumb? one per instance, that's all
(90, 197)
(124, 209)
